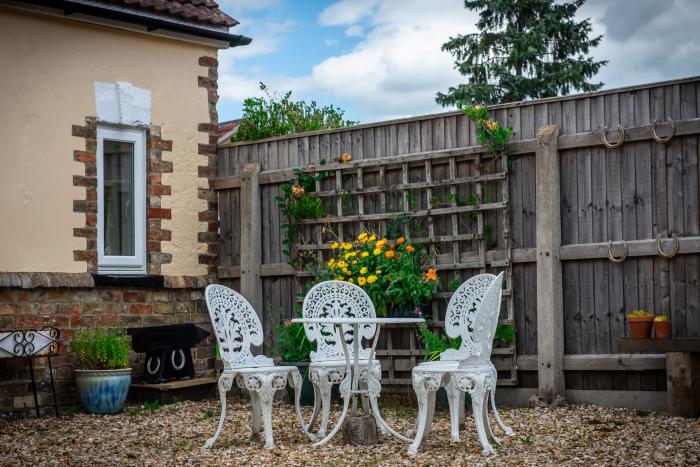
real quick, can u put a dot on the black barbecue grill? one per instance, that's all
(167, 349)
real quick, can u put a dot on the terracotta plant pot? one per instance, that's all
(662, 329)
(640, 326)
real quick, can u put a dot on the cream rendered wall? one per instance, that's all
(46, 85)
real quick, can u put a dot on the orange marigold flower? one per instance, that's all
(345, 158)
(389, 254)
(297, 190)
(392, 246)
(431, 274)
(400, 240)
(410, 249)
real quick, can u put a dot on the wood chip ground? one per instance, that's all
(174, 435)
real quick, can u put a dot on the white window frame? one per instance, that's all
(124, 265)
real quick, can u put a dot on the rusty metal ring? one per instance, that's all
(610, 145)
(674, 250)
(663, 139)
(622, 258)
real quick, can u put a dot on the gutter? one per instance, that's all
(151, 22)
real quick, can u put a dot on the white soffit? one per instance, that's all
(122, 104)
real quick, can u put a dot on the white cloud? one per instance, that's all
(346, 12)
(354, 31)
(330, 42)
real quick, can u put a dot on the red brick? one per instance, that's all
(84, 156)
(85, 232)
(159, 213)
(79, 180)
(208, 61)
(208, 216)
(207, 149)
(134, 296)
(158, 189)
(154, 178)
(161, 166)
(153, 246)
(83, 255)
(162, 235)
(141, 309)
(90, 218)
(163, 145)
(29, 321)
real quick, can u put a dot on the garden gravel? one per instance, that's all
(174, 435)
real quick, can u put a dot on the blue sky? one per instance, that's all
(381, 59)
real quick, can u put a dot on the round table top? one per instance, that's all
(342, 320)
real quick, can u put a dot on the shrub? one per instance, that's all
(272, 115)
(292, 344)
(101, 349)
(638, 313)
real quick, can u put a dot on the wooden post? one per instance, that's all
(251, 239)
(550, 313)
(683, 383)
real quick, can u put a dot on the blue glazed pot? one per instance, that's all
(103, 391)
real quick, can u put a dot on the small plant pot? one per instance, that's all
(662, 329)
(307, 388)
(640, 326)
(103, 391)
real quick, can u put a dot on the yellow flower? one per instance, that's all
(361, 281)
(297, 191)
(354, 261)
(365, 254)
(345, 157)
(334, 245)
(377, 251)
(350, 254)
(331, 262)
(350, 280)
(491, 125)
(346, 271)
(341, 264)
(345, 246)
(339, 278)
(363, 270)
(378, 271)
(362, 236)
(372, 238)
(372, 279)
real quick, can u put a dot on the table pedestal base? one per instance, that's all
(360, 430)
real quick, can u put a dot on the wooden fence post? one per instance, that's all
(550, 313)
(251, 238)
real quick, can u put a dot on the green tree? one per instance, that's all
(273, 115)
(525, 49)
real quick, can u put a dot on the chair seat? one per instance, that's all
(452, 366)
(342, 363)
(260, 369)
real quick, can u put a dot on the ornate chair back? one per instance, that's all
(236, 326)
(478, 332)
(337, 299)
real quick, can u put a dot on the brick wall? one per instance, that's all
(71, 309)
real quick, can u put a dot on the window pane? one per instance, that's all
(118, 198)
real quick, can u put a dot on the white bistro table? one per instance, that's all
(350, 386)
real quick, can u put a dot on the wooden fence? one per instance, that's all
(566, 194)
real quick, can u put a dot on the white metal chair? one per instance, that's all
(237, 327)
(472, 314)
(335, 299)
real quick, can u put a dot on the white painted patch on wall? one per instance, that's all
(123, 104)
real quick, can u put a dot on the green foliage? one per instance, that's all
(524, 49)
(296, 204)
(292, 344)
(434, 345)
(206, 415)
(638, 313)
(152, 405)
(272, 115)
(490, 134)
(389, 271)
(454, 284)
(101, 349)
(661, 318)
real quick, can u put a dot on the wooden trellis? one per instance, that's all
(454, 204)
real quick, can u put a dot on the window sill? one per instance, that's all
(151, 281)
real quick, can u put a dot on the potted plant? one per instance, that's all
(294, 349)
(390, 271)
(640, 323)
(662, 327)
(102, 372)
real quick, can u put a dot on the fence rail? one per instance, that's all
(592, 195)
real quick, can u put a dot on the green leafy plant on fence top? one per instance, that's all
(101, 349)
(274, 115)
(491, 135)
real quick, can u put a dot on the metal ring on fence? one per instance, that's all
(663, 139)
(610, 145)
(622, 258)
(182, 359)
(674, 250)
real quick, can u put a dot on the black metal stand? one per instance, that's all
(53, 386)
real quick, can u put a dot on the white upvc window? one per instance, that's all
(121, 201)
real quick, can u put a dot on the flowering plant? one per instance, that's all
(390, 271)
(491, 135)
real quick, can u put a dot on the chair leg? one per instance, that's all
(295, 381)
(508, 430)
(487, 422)
(225, 382)
(477, 396)
(255, 414)
(423, 385)
(317, 405)
(453, 398)
(266, 393)
(325, 385)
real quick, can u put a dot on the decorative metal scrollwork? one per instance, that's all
(617, 144)
(620, 259)
(663, 139)
(29, 342)
(674, 250)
